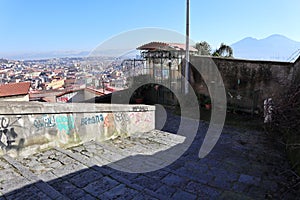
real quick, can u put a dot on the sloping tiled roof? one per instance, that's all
(13, 89)
(152, 46)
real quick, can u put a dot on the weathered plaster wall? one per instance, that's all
(271, 78)
(27, 127)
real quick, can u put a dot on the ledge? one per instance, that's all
(25, 108)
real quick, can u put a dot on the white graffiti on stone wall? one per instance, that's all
(122, 120)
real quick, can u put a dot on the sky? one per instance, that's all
(63, 25)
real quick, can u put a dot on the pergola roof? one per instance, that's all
(162, 46)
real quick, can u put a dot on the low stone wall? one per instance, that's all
(26, 127)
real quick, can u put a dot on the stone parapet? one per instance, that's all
(26, 127)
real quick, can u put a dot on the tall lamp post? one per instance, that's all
(187, 48)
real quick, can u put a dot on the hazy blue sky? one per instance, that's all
(40, 25)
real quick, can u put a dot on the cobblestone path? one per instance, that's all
(243, 165)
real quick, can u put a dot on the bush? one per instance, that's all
(287, 124)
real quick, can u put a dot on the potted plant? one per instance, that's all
(201, 98)
(139, 100)
(138, 96)
(207, 103)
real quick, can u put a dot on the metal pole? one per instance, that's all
(161, 67)
(153, 69)
(170, 73)
(134, 74)
(187, 48)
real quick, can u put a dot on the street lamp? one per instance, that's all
(187, 55)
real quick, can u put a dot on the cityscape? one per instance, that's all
(60, 75)
(149, 100)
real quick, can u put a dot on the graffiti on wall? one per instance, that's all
(44, 121)
(140, 117)
(102, 125)
(92, 120)
(109, 125)
(64, 123)
(8, 135)
(122, 120)
(118, 122)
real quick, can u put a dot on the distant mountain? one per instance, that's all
(118, 53)
(275, 47)
(44, 55)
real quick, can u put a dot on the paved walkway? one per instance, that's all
(243, 165)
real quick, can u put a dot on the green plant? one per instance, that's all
(203, 99)
(207, 101)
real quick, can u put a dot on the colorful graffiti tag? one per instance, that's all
(109, 125)
(140, 117)
(44, 121)
(92, 120)
(64, 123)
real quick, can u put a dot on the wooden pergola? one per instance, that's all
(164, 61)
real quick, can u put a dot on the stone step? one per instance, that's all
(19, 180)
(144, 149)
(60, 172)
(101, 165)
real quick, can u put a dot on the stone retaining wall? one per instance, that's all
(269, 77)
(30, 126)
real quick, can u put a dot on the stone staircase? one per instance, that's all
(67, 173)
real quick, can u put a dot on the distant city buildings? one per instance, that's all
(78, 79)
(60, 79)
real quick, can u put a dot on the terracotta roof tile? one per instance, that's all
(13, 89)
(152, 46)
